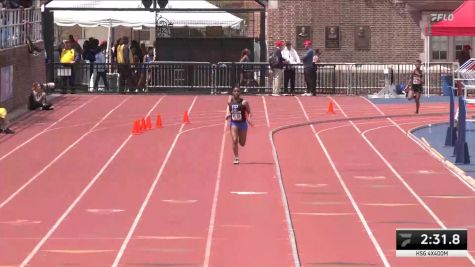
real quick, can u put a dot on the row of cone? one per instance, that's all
(145, 124)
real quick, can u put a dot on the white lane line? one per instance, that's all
(46, 129)
(19, 190)
(345, 188)
(389, 204)
(81, 195)
(104, 211)
(20, 222)
(324, 213)
(415, 140)
(212, 219)
(265, 110)
(248, 193)
(311, 185)
(150, 192)
(408, 187)
(451, 197)
(369, 177)
(178, 201)
(174, 237)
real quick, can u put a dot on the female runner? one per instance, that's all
(239, 112)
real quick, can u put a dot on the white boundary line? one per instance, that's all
(345, 188)
(12, 196)
(81, 195)
(265, 110)
(150, 192)
(209, 240)
(409, 188)
(46, 129)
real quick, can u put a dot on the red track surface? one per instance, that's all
(78, 189)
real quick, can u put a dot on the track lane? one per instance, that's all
(109, 218)
(30, 124)
(319, 206)
(403, 150)
(173, 225)
(27, 161)
(444, 193)
(250, 227)
(44, 200)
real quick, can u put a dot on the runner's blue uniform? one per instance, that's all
(238, 114)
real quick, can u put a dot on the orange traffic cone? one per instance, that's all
(143, 127)
(186, 119)
(330, 108)
(148, 123)
(159, 122)
(136, 128)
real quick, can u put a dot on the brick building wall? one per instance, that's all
(26, 69)
(395, 34)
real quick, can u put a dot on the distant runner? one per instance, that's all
(416, 81)
(239, 112)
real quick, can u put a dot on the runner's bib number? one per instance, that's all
(236, 116)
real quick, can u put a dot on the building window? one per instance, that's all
(440, 47)
(460, 42)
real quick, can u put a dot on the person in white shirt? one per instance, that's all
(101, 67)
(290, 55)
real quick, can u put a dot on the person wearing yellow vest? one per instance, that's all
(4, 122)
(69, 56)
(124, 61)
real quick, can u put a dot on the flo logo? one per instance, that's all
(441, 17)
(407, 239)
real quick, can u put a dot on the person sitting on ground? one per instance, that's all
(4, 122)
(38, 98)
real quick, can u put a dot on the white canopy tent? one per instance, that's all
(138, 19)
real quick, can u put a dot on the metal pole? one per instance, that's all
(109, 33)
(262, 42)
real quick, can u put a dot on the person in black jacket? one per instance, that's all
(277, 70)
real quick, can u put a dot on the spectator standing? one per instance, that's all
(244, 59)
(100, 60)
(115, 49)
(143, 48)
(147, 59)
(123, 60)
(277, 66)
(309, 69)
(75, 45)
(89, 55)
(69, 56)
(290, 55)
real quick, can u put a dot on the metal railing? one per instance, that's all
(17, 25)
(337, 78)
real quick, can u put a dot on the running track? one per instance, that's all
(77, 189)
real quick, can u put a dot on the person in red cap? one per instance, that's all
(309, 69)
(465, 54)
(277, 63)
